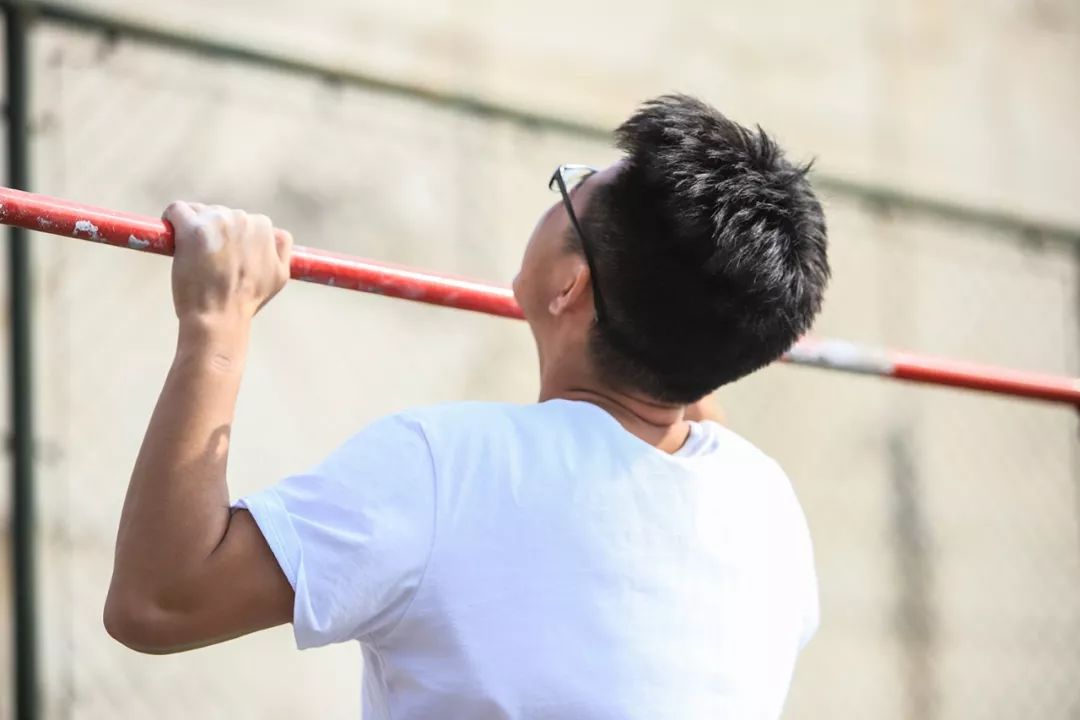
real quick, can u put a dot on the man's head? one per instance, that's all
(709, 251)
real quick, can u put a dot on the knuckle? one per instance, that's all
(263, 227)
(206, 236)
(218, 216)
(215, 221)
(175, 214)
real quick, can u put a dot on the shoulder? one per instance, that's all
(479, 417)
(453, 424)
(465, 433)
(425, 421)
(456, 417)
(762, 474)
(737, 449)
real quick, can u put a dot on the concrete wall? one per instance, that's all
(945, 523)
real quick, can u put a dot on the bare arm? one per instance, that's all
(188, 572)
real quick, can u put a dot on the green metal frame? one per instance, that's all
(26, 687)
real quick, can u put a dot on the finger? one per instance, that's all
(200, 212)
(261, 225)
(239, 221)
(262, 228)
(210, 218)
(180, 213)
(283, 240)
(220, 224)
(217, 215)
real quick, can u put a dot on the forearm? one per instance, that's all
(177, 505)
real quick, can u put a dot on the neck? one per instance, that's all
(662, 425)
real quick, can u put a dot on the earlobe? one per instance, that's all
(572, 291)
(558, 303)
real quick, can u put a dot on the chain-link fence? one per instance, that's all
(945, 523)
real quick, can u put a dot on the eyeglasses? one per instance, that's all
(569, 176)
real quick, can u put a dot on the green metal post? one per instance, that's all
(26, 687)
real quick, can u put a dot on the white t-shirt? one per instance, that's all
(539, 561)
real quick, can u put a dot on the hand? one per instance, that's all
(227, 264)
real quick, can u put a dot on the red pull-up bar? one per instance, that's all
(63, 217)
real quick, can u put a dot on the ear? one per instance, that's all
(576, 287)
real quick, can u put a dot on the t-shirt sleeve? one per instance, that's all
(353, 536)
(811, 597)
(803, 573)
(807, 578)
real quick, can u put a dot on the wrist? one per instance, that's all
(222, 342)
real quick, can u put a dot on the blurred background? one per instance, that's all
(946, 145)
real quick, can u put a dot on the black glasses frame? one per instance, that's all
(559, 178)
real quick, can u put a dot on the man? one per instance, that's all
(593, 555)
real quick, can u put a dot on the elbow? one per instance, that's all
(138, 625)
(127, 622)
